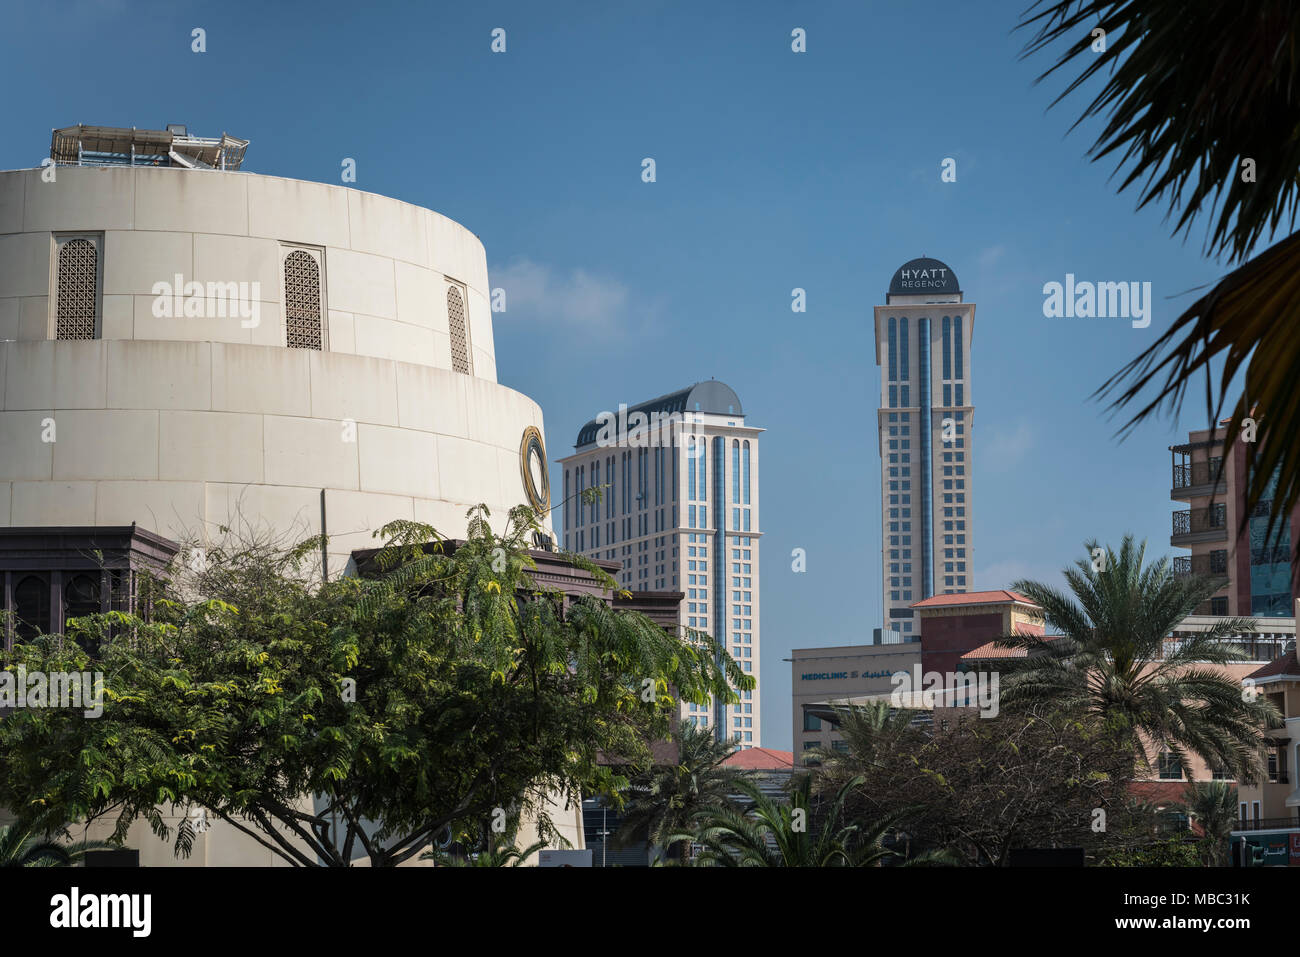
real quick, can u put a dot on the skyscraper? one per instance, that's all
(679, 509)
(926, 418)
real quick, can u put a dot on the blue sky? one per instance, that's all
(775, 170)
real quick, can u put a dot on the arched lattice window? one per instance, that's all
(77, 293)
(459, 332)
(302, 301)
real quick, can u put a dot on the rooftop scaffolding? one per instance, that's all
(121, 146)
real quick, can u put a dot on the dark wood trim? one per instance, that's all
(58, 552)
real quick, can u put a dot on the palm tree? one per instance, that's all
(665, 799)
(503, 853)
(870, 731)
(20, 846)
(1202, 105)
(775, 834)
(1113, 661)
(1212, 805)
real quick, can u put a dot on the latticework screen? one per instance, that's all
(302, 318)
(459, 337)
(78, 281)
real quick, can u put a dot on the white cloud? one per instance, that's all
(989, 256)
(1003, 450)
(537, 291)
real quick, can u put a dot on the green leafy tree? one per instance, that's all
(981, 787)
(1159, 852)
(665, 799)
(873, 735)
(1113, 660)
(1200, 106)
(1213, 806)
(358, 717)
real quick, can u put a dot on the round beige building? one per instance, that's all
(185, 347)
(191, 348)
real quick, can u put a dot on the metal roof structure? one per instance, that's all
(83, 145)
(712, 396)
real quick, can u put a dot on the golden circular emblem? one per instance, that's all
(537, 483)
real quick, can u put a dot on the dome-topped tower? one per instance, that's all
(924, 277)
(926, 424)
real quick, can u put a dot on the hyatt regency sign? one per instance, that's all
(935, 277)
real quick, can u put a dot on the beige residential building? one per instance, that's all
(679, 507)
(1258, 578)
(1276, 801)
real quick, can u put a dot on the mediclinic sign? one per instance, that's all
(842, 675)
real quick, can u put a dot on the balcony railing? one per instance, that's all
(1251, 648)
(1266, 824)
(1190, 521)
(1191, 474)
(1215, 563)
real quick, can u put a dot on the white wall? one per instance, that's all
(386, 262)
(184, 436)
(186, 424)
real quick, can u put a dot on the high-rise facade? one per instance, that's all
(679, 508)
(1259, 577)
(925, 420)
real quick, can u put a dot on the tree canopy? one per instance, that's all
(360, 716)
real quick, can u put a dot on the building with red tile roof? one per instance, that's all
(953, 625)
(996, 596)
(761, 759)
(1285, 667)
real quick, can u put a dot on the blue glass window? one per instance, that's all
(956, 346)
(735, 470)
(746, 479)
(893, 349)
(902, 362)
(690, 471)
(947, 349)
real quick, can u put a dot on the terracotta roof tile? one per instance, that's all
(999, 596)
(1283, 665)
(989, 650)
(761, 759)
